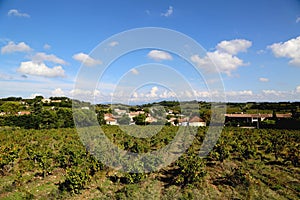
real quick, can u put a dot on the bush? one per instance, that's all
(191, 169)
(76, 179)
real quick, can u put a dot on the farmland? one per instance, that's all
(244, 164)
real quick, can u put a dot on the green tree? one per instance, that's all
(140, 119)
(10, 107)
(124, 120)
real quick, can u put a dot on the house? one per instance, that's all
(111, 121)
(119, 111)
(183, 121)
(172, 121)
(56, 101)
(107, 116)
(23, 113)
(196, 121)
(46, 100)
(150, 119)
(134, 114)
(252, 118)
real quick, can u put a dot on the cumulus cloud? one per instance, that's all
(134, 71)
(233, 47)
(240, 93)
(298, 89)
(32, 96)
(289, 49)
(167, 94)
(168, 13)
(263, 79)
(86, 59)
(224, 62)
(14, 12)
(12, 47)
(84, 94)
(298, 20)
(224, 59)
(158, 55)
(41, 57)
(113, 44)
(58, 92)
(272, 92)
(153, 92)
(40, 69)
(46, 46)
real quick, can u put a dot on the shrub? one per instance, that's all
(76, 179)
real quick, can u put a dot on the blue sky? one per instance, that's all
(255, 45)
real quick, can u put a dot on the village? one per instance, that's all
(246, 115)
(168, 117)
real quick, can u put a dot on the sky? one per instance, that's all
(251, 49)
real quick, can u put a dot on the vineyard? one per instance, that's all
(244, 164)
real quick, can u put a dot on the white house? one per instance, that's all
(197, 121)
(194, 121)
(111, 121)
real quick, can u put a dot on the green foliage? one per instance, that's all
(263, 163)
(140, 119)
(124, 120)
(220, 151)
(76, 180)
(191, 169)
(10, 108)
(238, 177)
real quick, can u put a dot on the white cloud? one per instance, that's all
(113, 44)
(41, 57)
(58, 92)
(239, 93)
(224, 62)
(289, 49)
(298, 20)
(32, 96)
(167, 95)
(263, 79)
(134, 71)
(169, 12)
(40, 69)
(224, 59)
(272, 92)
(46, 46)
(84, 94)
(86, 59)
(153, 92)
(298, 89)
(13, 47)
(14, 12)
(159, 55)
(233, 47)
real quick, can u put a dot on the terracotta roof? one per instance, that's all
(287, 115)
(248, 115)
(110, 119)
(24, 113)
(196, 119)
(183, 120)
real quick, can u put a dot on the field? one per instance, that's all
(245, 164)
